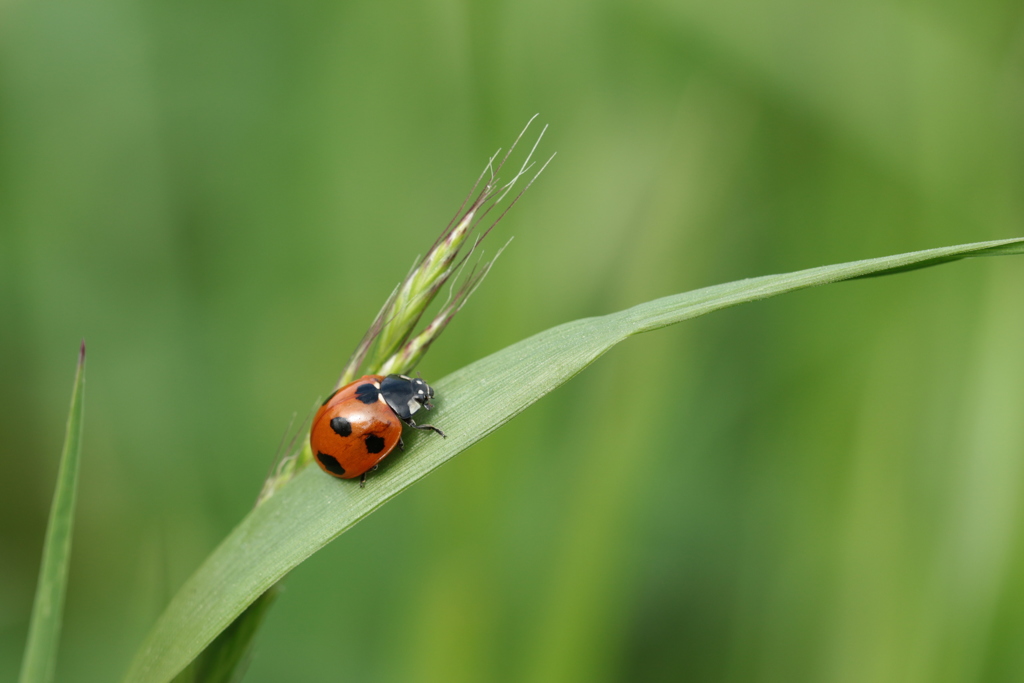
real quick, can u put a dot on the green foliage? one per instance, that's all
(312, 509)
(40, 660)
(820, 488)
(227, 658)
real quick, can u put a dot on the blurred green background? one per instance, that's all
(822, 487)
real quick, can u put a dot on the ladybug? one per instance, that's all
(360, 423)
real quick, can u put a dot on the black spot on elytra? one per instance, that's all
(328, 399)
(367, 393)
(374, 444)
(341, 426)
(331, 464)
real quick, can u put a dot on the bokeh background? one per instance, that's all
(821, 487)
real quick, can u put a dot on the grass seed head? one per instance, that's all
(390, 343)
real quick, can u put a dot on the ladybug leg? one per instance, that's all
(401, 444)
(362, 481)
(430, 427)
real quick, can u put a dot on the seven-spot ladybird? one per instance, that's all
(360, 423)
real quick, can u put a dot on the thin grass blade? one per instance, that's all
(312, 509)
(40, 660)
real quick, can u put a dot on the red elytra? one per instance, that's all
(361, 423)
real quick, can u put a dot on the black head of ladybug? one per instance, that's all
(406, 395)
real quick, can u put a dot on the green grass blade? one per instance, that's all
(40, 658)
(228, 656)
(312, 510)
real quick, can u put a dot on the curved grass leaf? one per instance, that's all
(312, 509)
(227, 658)
(40, 658)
